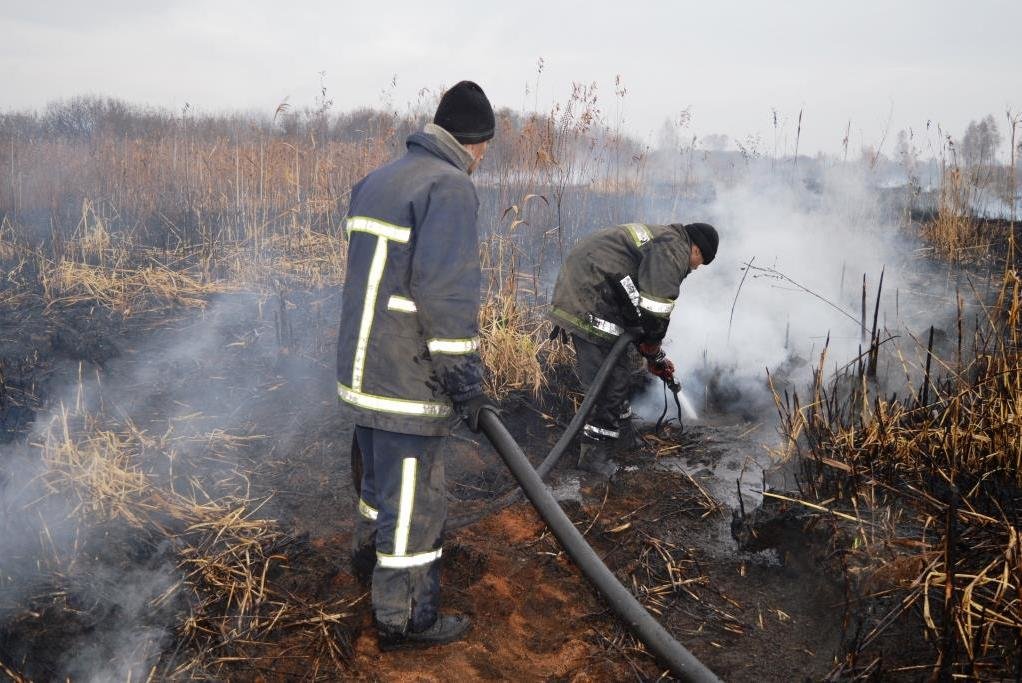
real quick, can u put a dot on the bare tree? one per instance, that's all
(980, 142)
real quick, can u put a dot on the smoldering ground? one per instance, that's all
(218, 402)
(91, 588)
(788, 281)
(795, 284)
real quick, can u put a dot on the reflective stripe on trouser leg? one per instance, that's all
(600, 433)
(367, 510)
(405, 505)
(412, 506)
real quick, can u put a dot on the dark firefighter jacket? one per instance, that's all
(408, 343)
(589, 298)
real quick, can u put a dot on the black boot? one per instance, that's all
(595, 457)
(446, 629)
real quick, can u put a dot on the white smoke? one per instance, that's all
(809, 250)
(201, 374)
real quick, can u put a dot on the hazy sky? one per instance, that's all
(731, 62)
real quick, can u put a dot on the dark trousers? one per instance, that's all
(604, 420)
(403, 507)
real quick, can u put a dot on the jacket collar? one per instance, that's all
(435, 139)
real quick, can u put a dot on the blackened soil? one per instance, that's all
(261, 369)
(42, 351)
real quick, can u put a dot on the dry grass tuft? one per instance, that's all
(96, 469)
(10, 245)
(128, 279)
(125, 290)
(510, 347)
(304, 258)
(955, 234)
(514, 345)
(228, 556)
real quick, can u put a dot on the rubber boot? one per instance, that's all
(595, 457)
(446, 629)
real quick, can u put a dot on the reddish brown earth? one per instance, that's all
(536, 618)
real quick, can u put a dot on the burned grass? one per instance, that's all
(136, 547)
(117, 544)
(664, 537)
(225, 511)
(926, 492)
(191, 521)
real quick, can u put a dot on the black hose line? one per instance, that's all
(510, 496)
(675, 390)
(669, 651)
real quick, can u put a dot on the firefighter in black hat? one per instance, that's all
(625, 276)
(408, 365)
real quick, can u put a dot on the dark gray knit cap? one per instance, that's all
(465, 113)
(704, 236)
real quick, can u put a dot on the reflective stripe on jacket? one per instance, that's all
(588, 298)
(408, 342)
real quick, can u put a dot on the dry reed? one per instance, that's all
(930, 486)
(227, 554)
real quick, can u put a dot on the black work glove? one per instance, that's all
(471, 408)
(559, 331)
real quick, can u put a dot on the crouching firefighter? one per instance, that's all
(408, 364)
(625, 276)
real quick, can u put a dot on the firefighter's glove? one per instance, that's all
(559, 331)
(662, 368)
(657, 363)
(650, 351)
(471, 408)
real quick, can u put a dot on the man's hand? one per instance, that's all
(656, 362)
(650, 351)
(471, 408)
(664, 369)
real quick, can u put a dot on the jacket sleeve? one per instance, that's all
(445, 284)
(665, 263)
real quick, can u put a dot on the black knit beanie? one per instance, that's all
(465, 113)
(704, 236)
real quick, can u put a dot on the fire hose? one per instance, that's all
(660, 643)
(667, 377)
(675, 388)
(574, 427)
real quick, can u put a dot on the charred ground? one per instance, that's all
(175, 497)
(238, 399)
